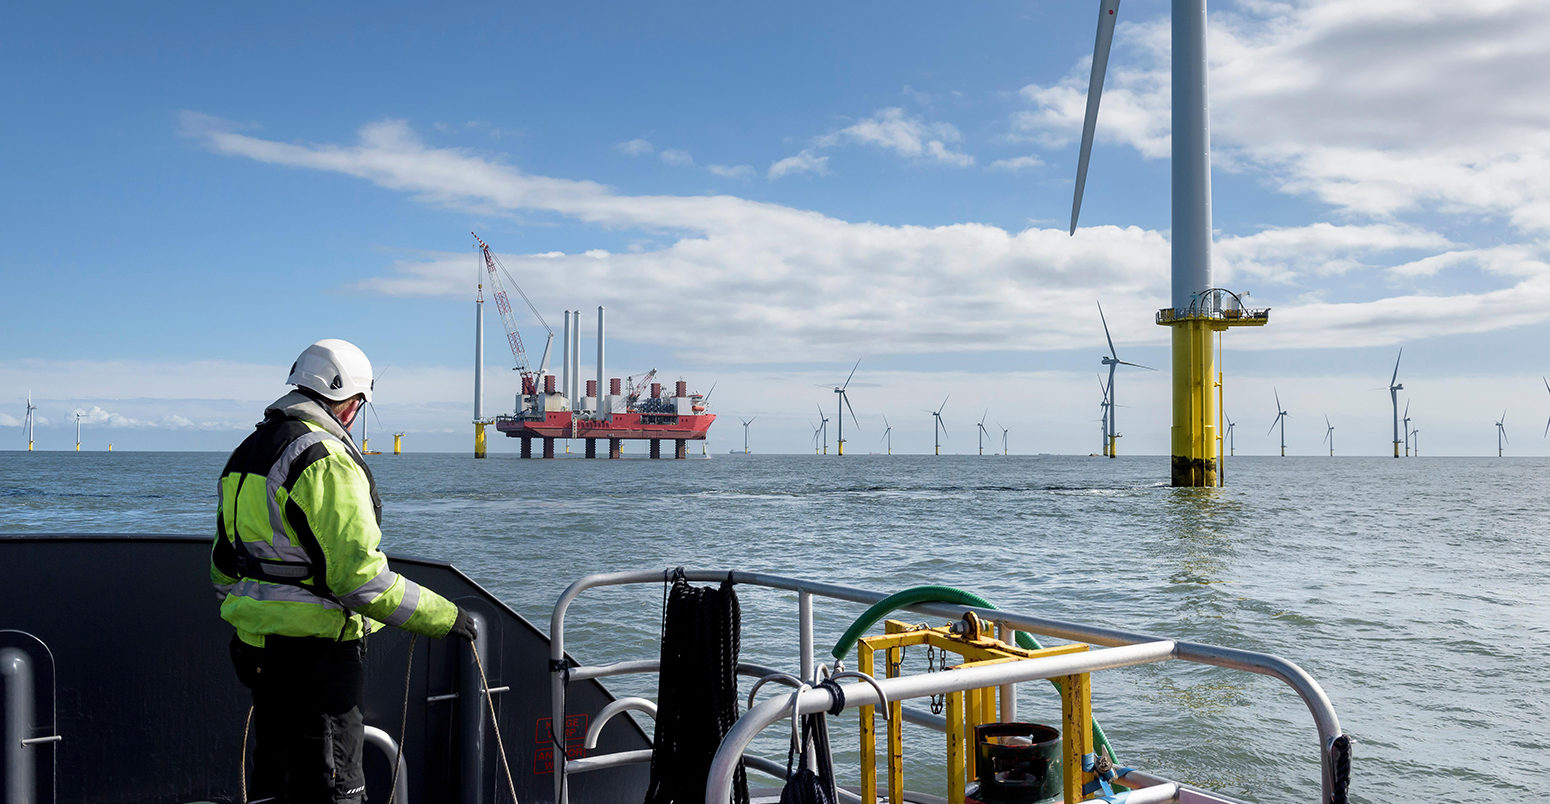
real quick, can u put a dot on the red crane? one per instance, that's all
(531, 379)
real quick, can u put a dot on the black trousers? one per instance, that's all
(306, 719)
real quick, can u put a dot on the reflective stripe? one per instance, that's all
(406, 606)
(222, 590)
(283, 592)
(290, 554)
(368, 591)
(276, 479)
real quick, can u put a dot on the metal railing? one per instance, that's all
(1122, 649)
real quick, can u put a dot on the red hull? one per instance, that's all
(557, 424)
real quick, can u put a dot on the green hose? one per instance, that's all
(937, 593)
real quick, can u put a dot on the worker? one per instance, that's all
(300, 576)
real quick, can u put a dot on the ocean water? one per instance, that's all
(1413, 590)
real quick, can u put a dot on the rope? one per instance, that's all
(403, 721)
(242, 764)
(494, 721)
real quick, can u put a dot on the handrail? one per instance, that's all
(1309, 690)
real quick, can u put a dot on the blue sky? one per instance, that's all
(761, 196)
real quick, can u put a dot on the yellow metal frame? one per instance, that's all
(967, 709)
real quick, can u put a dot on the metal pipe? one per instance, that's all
(575, 361)
(600, 361)
(479, 358)
(471, 713)
(805, 629)
(565, 377)
(1312, 694)
(16, 678)
(382, 741)
(613, 708)
(718, 787)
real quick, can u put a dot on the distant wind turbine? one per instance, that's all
(1113, 362)
(1329, 435)
(77, 431)
(888, 434)
(941, 427)
(1004, 431)
(1547, 421)
(841, 406)
(1406, 420)
(746, 422)
(30, 409)
(1103, 415)
(982, 431)
(1501, 433)
(823, 426)
(816, 430)
(1280, 420)
(1395, 386)
(1232, 444)
(1415, 436)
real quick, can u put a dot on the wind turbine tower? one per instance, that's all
(1501, 433)
(1003, 439)
(28, 420)
(823, 427)
(1394, 388)
(1113, 362)
(1232, 443)
(1280, 420)
(77, 431)
(746, 422)
(983, 432)
(888, 434)
(841, 406)
(941, 428)
(1197, 307)
(1329, 435)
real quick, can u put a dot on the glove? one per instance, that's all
(465, 626)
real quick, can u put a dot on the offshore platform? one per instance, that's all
(552, 407)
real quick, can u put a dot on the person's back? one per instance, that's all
(297, 564)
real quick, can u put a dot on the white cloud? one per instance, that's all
(893, 130)
(1017, 163)
(635, 147)
(804, 162)
(732, 171)
(676, 158)
(788, 281)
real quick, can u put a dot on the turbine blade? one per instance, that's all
(1396, 367)
(846, 399)
(944, 404)
(1278, 400)
(1407, 409)
(1107, 11)
(852, 374)
(1105, 321)
(1137, 365)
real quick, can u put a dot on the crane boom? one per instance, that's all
(494, 267)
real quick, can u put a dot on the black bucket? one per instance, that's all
(1017, 773)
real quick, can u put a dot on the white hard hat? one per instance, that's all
(335, 369)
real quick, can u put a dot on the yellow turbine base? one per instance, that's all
(1194, 403)
(1113, 446)
(398, 445)
(479, 443)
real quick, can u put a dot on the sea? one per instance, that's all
(1414, 590)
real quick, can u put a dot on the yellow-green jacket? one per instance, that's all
(296, 547)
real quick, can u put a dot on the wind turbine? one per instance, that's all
(888, 434)
(1406, 420)
(1232, 444)
(816, 430)
(28, 421)
(1281, 420)
(1329, 435)
(1541, 377)
(941, 428)
(1004, 431)
(1501, 433)
(1416, 436)
(823, 426)
(1103, 414)
(1194, 311)
(746, 422)
(77, 431)
(1394, 388)
(841, 406)
(1113, 362)
(982, 431)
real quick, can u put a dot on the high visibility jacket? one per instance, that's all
(296, 548)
